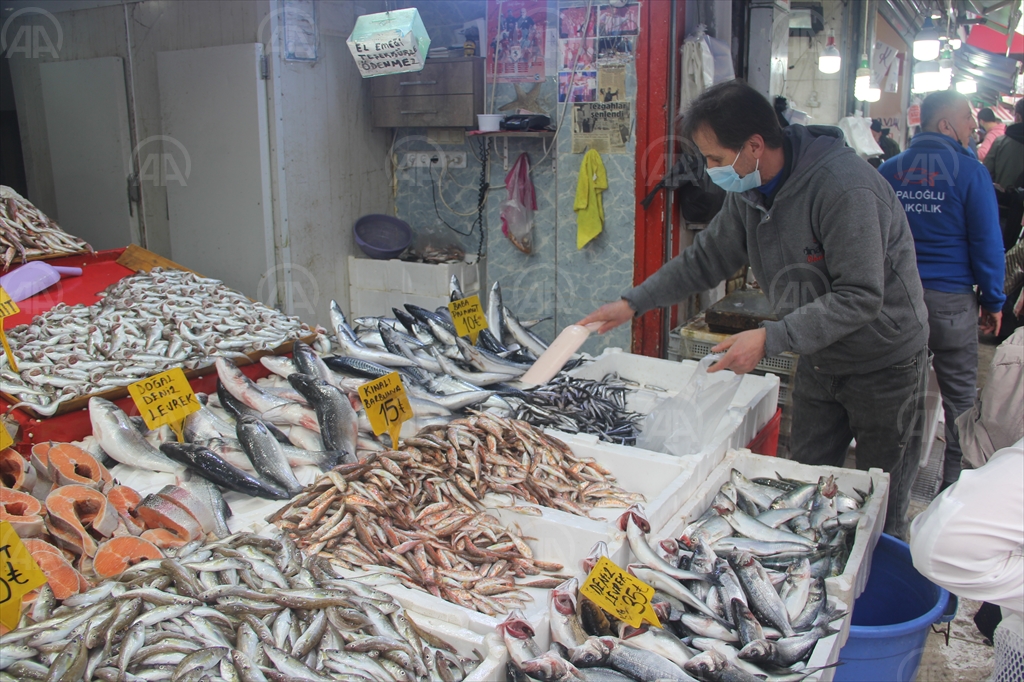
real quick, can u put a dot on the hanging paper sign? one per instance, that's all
(19, 575)
(5, 438)
(620, 594)
(7, 308)
(468, 316)
(386, 404)
(165, 398)
(914, 116)
(389, 42)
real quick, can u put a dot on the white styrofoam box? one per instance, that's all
(554, 537)
(368, 273)
(367, 302)
(665, 481)
(432, 279)
(847, 586)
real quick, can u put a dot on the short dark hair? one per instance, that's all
(987, 115)
(735, 112)
(934, 106)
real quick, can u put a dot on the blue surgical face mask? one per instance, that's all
(728, 179)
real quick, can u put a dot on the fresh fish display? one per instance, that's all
(245, 607)
(418, 513)
(577, 405)
(142, 325)
(781, 522)
(694, 642)
(27, 233)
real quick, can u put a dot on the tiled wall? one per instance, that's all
(556, 280)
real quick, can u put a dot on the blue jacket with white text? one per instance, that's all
(950, 204)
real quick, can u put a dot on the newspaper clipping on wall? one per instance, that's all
(602, 126)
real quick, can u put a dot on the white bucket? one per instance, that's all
(489, 123)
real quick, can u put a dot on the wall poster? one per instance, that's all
(602, 126)
(516, 40)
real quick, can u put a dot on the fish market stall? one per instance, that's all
(27, 234)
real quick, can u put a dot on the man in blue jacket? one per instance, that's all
(951, 206)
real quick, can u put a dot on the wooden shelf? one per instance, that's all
(513, 133)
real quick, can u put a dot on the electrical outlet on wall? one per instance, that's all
(434, 159)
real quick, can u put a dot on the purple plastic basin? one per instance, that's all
(382, 236)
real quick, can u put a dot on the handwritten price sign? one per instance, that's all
(165, 398)
(620, 594)
(19, 575)
(386, 404)
(468, 316)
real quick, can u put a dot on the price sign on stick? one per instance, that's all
(468, 316)
(7, 308)
(19, 575)
(6, 440)
(620, 594)
(165, 398)
(386, 405)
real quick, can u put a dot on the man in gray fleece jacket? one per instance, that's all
(829, 243)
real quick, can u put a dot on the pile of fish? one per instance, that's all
(142, 324)
(782, 522)
(577, 405)
(26, 232)
(418, 513)
(244, 607)
(724, 617)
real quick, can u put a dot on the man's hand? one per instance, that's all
(743, 351)
(610, 315)
(990, 322)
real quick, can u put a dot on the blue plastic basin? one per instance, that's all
(890, 619)
(382, 236)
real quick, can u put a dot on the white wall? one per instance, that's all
(327, 160)
(804, 77)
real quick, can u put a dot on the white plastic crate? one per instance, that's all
(845, 587)
(419, 279)
(692, 344)
(665, 481)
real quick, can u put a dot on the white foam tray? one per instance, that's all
(845, 587)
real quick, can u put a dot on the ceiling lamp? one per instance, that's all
(968, 86)
(955, 43)
(863, 82)
(830, 60)
(927, 77)
(926, 42)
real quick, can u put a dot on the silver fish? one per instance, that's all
(122, 441)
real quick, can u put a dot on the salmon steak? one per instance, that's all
(74, 510)
(117, 554)
(68, 464)
(22, 511)
(125, 500)
(161, 514)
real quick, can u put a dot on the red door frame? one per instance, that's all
(653, 135)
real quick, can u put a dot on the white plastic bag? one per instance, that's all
(684, 424)
(857, 131)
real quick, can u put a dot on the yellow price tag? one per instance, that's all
(6, 440)
(165, 398)
(620, 594)
(19, 575)
(468, 316)
(386, 405)
(7, 308)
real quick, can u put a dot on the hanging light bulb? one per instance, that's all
(967, 86)
(955, 43)
(926, 42)
(830, 60)
(863, 82)
(927, 77)
(874, 93)
(946, 69)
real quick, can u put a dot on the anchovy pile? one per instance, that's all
(244, 608)
(724, 617)
(141, 325)
(581, 406)
(27, 232)
(418, 514)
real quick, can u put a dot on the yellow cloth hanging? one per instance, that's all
(588, 204)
